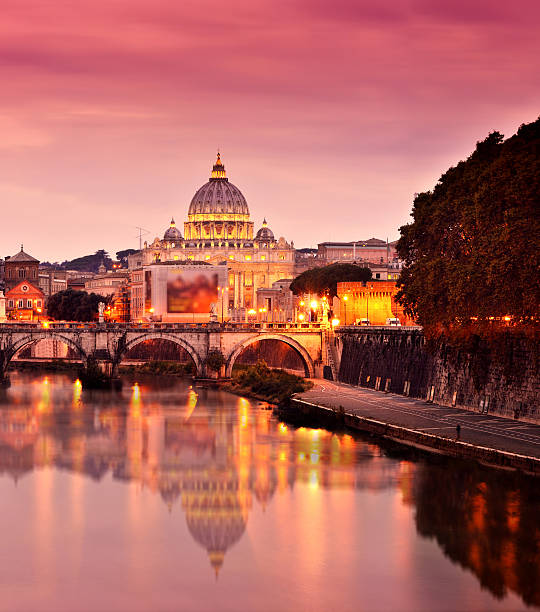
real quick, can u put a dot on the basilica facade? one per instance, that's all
(218, 231)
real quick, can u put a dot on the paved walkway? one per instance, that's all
(478, 429)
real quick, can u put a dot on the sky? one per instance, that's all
(329, 114)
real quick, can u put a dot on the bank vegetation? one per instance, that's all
(271, 385)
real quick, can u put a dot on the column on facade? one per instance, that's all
(241, 288)
(236, 290)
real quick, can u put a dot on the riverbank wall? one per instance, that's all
(303, 412)
(499, 377)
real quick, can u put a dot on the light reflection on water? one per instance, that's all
(169, 497)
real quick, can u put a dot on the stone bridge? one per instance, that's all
(109, 343)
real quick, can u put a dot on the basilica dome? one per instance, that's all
(218, 196)
(265, 233)
(173, 233)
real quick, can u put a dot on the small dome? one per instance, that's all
(173, 233)
(265, 233)
(218, 195)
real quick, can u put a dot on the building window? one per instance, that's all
(10, 303)
(247, 257)
(28, 303)
(20, 304)
(263, 257)
(21, 273)
(282, 257)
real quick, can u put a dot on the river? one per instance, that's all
(168, 497)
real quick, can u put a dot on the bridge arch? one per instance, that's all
(304, 355)
(159, 336)
(20, 343)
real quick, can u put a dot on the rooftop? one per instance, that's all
(22, 256)
(371, 242)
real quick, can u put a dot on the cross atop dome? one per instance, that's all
(218, 171)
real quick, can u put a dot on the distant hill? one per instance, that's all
(89, 263)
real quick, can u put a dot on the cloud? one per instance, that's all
(16, 134)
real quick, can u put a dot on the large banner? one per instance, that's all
(191, 291)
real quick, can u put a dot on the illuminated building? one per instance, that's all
(2, 307)
(107, 283)
(25, 302)
(372, 300)
(218, 231)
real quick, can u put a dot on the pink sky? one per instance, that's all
(329, 114)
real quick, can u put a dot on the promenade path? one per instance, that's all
(476, 428)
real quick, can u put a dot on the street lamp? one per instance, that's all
(345, 299)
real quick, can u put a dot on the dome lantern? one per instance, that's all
(218, 170)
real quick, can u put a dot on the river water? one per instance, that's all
(167, 497)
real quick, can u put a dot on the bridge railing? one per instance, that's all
(227, 326)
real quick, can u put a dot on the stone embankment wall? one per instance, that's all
(500, 377)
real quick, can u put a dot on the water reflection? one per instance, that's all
(215, 456)
(486, 521)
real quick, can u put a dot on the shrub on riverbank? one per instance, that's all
(45, 366)
(275, 386)
(168, 368)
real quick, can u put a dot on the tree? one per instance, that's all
(73, 305)
(215, 360)
(472, 250)
(123, 255)
(89, 263)
(322, 281)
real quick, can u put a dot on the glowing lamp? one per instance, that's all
(45, 324)
(335, 322)
(301, 317)
(302, 303)
(345, 297)
(151, 311)
(314, 305)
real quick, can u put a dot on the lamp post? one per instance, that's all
(345, 300)
(313, 310)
